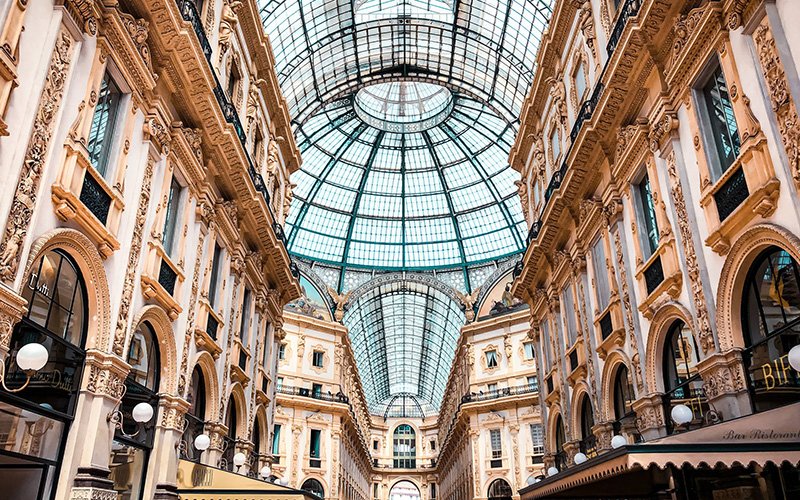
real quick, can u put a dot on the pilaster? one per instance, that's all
(12, 307)
(724, 383)
(650, 418)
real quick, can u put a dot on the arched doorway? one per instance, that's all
(588, 443)
(623, 397)
(561, 455)
(771, 326)
(314, 487)
(682, 382)
(57, 317)
(404, 490)
(195, 417)
(500, 490)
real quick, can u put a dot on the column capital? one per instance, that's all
(12, 307)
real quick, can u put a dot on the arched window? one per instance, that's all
(314, 487)
(588, 444)
(499, 489)
(229, 441)
(404, 490)
(195, 417)
(682, 381)
(624, 415)
(56, 317)
(132, 443)
(561, 456)
(405, 447)
(771, 327)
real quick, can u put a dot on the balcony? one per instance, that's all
(630, 9)
(308, 393)
(500, 393)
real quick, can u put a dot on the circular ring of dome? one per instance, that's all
(404, 106)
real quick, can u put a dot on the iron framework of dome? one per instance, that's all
(405, 112)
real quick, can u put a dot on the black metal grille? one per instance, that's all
(167, 277)
(211, 326)
(555, 182)
(243, 360)
(500, 393)
(308, 393)
(630, 9)
(606, 325)
(573, 360)
(315, 463)
(653, 275)
(731, 194)
(534, 231)
(95, 198)
(496, 463)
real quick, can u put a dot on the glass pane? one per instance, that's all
(127, 466)
(103, 122)
(171, 218)
(722, 120)
(648, 214)
(28, 433)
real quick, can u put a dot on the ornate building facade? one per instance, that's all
(145, 155)
(659, 180)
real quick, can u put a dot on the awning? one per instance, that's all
(768, 437)
(201, 482)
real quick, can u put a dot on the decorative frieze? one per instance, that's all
(25, 197)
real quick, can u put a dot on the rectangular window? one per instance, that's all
(580, 83)
(647, 215)
(537, 439)
(722, 130)
(491, 387)
(314, 443)
(216, 263)
(282, 352)
(544, 329)
(171, 219)
(276, 439)
(569, 316)
(317, 359)
(316, 390)
(555, 147)
(433, 445)
(497, 445)
(265, 353)
(601, 274)
(279, 382)
(433, 492)
(491, 359)
(104, 120)
(533, 383)
(529, 350)
(245, 324)
(375, 444)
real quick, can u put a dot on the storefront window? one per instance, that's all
(133, 441)
(624, 415)
(588, 444)
(34, 421)
(195, 417)
(771, 327)
(682, 381)
(561, 456)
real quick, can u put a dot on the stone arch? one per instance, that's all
(317, 477)
(580, 390)
(734, 273)
(406, 479)
(614, 359)
(240, 400)
(663, 319)
(88, 260)
(205, 362)
(550, 432)
(158, 319)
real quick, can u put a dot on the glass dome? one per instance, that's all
(403, 106)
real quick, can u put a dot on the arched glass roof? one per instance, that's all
(405, 111)
(404, 337)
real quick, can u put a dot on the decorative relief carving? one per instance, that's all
(586, 23)
(182, 385)
(133, 261)
(704, 333)
(780, 96)
(138, 29)
(626, 305)
(24, 201)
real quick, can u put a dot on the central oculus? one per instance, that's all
(403, 106)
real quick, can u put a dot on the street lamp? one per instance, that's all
(141, 413)
(30, 358)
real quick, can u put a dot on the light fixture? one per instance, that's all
(265, 472)
(794, 357)
(202, 442)
(239, 459)
(30, 358)
(141, 413)
(284, 481)
(580, 458)
(681, 414)
(618, 441)
(552, 471)
(531, 480)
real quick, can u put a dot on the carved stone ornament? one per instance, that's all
(24, 201)
(626, 303)
(128, 286)
(704, 332)
(780, 96)
(138, 29)
(182, 385)
(195, 139)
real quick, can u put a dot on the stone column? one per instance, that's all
(724, 383)
(571, 448)
(163, 464)
(245, 447)
(12, 307)
(216, 432)
(650, 419)
(85, 471)
(603, 432)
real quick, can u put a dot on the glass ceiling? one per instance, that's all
(404, 337)
(405, 111)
